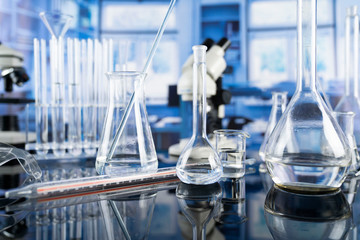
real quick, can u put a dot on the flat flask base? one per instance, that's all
(307, 189)
(129, 166)
(308, 172)
(200, 174)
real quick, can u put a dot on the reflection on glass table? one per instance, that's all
(233, 209)
(301, 216)
(233, 205)
(199, 204)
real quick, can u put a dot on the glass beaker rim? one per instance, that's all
(279, 92)
(233, 132)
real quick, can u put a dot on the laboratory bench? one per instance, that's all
(246, 208)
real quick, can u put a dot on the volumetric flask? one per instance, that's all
(350, 101)
(346, 122)
(134, 152)
(198, 162)
(279, 100)
(231, 148)
(307, 151)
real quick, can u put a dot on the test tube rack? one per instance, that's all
(71, 95)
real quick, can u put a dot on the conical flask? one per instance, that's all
(346, 122)
(198, 162)
(307, 150)
(350, 102)
(134, 152)
(279, 100)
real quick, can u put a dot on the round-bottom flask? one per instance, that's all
(307, 150)
(198, 162)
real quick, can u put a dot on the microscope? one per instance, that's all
(11, 65)
(12, 73)
(216, 96)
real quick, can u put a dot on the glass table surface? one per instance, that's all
(247, 208)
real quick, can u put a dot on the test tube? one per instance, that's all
(41, 117)
(58, 92)
(111, 56)
(99, 87)
(74, 130)
(83, 83)
(102, 86)
(89, 101)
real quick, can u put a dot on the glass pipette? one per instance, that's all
(83, 186)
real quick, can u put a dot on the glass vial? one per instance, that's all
(307, 150)
(279, 101)
(198, 162)
(134, 152)
(350, 102)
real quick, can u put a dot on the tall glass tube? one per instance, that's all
(307, 150)
(58, 95)
(41, 116)
(198, 162)
(350, 102)
(279, 100)
(74, 108)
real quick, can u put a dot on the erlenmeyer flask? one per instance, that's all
(134, 152)
(346, 122)
(198, 162)
(350, 102)
(307, 150)
(279, 100)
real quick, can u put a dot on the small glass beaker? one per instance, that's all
(231, 147)
(134, 152)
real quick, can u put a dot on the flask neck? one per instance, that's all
(279, 101)
(279, 104)
(122, 85)
(306, 41)
(199, 100)
(352, 53)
